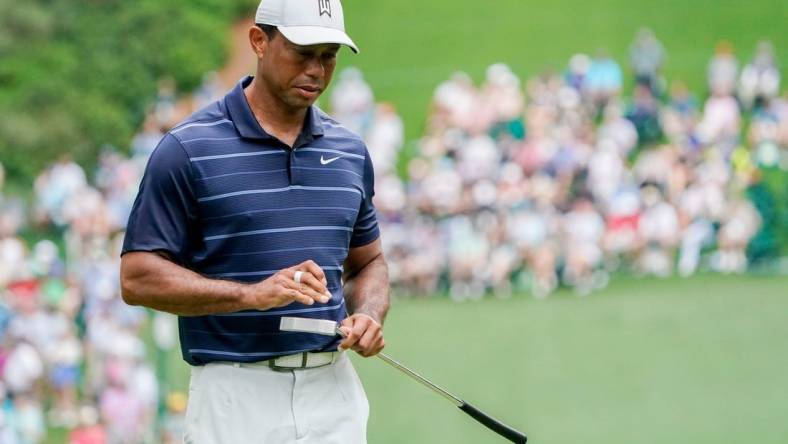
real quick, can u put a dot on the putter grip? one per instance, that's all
(494, 425)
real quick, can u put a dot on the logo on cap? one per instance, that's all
(325, 7)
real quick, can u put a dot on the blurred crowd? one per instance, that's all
(72, 354)
(565, 179)
(558, 181)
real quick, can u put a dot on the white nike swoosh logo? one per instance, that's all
(327, 161)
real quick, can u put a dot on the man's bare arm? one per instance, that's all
(367, 296)
(367, 281)
(154, 281)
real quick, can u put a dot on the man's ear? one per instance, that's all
(258, 41)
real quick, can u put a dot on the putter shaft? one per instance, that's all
(439, 390)
(424, 381)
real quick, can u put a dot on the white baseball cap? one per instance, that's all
(306, 22)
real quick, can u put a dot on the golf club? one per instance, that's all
(330, 328)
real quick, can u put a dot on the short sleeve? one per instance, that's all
(366, 228)
(166, 206)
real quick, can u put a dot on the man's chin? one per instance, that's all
(299, 102)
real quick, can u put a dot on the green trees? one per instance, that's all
(78, 74)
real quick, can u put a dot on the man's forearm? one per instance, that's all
(367, 291)
(157, 283)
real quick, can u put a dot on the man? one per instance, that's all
(260, 206)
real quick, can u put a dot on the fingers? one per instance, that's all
(281, 290)
(309, 279)
(306, 290)
(363, 334)
(316, 271)
(351, 330)
(371, 343)
(297, 296)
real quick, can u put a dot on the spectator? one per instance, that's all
(603, 80)
(646, 56)
(352, 101)
(55, 187)
(622, 235)
(209, 91)
(723, 70)
(739, 224)
(454, 102)
(385, 138)
(644, 114)
(721, 122)
(760, 79)
(583, 228)
(29, 419)
(618, 130)
(577, 71)
(144, 142)
(164, 109)
(680, 116)
(659, 231)
(89, 430)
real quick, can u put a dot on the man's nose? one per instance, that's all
(315, 68)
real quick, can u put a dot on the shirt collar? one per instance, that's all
(247, 124)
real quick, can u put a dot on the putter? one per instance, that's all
(330, 328)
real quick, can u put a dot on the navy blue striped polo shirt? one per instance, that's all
(229, 201)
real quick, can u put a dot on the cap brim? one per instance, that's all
(316, 35)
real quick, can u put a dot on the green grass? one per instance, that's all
(408, 47)
(700, 360)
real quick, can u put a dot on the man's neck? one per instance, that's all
(274, 117)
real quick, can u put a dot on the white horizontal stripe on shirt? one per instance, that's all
(227, 156)
(273, 210)
(367, 227)
(210, 138)
(282, 250)
(190, 125)
(278, 190)
(277, 230)
(241, 173)
(327, 169)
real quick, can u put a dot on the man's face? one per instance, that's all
(295, 74)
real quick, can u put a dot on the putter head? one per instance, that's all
(307, 325)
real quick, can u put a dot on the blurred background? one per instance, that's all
(584, 207)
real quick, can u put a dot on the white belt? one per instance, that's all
(293, 362)
(297, 361)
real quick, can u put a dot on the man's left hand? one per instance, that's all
(363, 333)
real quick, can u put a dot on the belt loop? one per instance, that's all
(304, 358)
(237, 364)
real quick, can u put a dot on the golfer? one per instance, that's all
(256, 207)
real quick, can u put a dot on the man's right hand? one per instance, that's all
(281, 289)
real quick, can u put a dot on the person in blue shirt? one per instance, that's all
(256, 207)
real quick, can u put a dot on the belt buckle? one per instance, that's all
(285, 368)
(304, 360)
